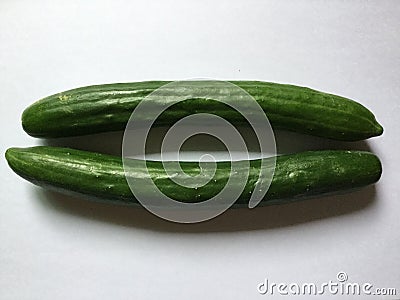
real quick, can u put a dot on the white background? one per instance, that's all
(56, 247)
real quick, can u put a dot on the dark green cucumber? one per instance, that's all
(297, 176)
(101, 108)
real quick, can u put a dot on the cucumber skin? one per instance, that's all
(101, 177)
(101, 108)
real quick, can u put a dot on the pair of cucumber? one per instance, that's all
(101, 108)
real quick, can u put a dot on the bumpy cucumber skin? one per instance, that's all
(101, 176)
(107, 107)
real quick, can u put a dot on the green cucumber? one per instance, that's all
(101, 108)
(101, 176)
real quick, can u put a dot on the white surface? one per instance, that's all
(55, 247)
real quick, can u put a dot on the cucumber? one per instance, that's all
(100, 176)
(101, 108)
